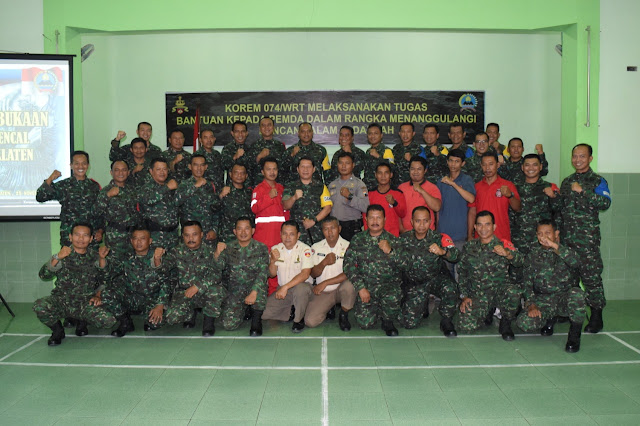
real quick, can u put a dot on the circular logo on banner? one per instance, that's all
(468, 101)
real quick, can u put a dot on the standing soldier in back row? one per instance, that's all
(305, 147)
(265, 146)
(345, 139)
(215, 171)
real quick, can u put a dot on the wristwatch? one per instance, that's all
(55, 256)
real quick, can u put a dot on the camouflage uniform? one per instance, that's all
(195, 267)
(237, 203)
(316, 152)
(371, 162)
(160, 213)
(76, 197)
(484, 277)
(78, 279)
(423, 273)
(115, 215)
(276, 150)
(402, 165)
(215, 171)
(245, 269)
(548, 283)
(367, 266)
(123, 153)
(138, 179)
(581, 228)
(512, 170)
(437, 166)
(181, 169)
(311, 203)
(136, 286)
(197, 204)
(473, 168)
(359, 157)
(536, 206)
(228, 151)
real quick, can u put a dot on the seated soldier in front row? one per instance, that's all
(77, 291)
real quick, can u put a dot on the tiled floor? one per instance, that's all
(176, 377)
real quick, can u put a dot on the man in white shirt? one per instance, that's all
(332, 285)
(291, 262)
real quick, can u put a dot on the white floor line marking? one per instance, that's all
(633, 348)
(22, 347)
(325, 384)
(267, 367)
(624, 332)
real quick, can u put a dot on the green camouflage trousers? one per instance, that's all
(416, 295)
(507, 299)
(384, 303)
(567, 304)
(590, 272)
(120, 302)
(233, 308)
(181, 308)
(50, 309)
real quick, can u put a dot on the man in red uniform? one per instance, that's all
(266, 204)
(391, 200)
(495, 195)
(418, 191)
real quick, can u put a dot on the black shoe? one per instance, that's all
(57, 335)
(547, 330)
(293, 314)
(146, 326)
(331, 315)
(297, 327)
(505, 329)
(595, 321)
(81, 328)
(488, 320)
(69, 322)
(425, 315)
(191, 323)
(256, 323)
(447, 328)
(389, 328)
(247, 313)
(573, 341)
(343, 320)
(208, 326)
(123, 327)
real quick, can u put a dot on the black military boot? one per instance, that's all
(331, 315)
(389, 328)
(57, 335)
(247, 313)
(595, 321)
(208, 326)
(547, 330)
(573, 341)
(488, 320)
(425, 314)
(505, 329)
(343, 320)
(191, 323)
(123, 326)
(293, 314)
(81, 328)
(256, 323)
(69, 322)
(447, 328)
(297, 327)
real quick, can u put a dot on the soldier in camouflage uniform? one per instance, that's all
(436, 153)
(371, 268)
(236, 152)
(511, 169)
(420, 257)
(549, 289)
(265, 146)
(583, 195)
(115, 210)
(215, 171)
(136, 286)
(484, 279)
(156, 201)
(473, 165)
(378, 153)
(245, 268)
(123, 153)
(176, 157)
(198, 280)
(345, 140)
(308, 200)
(139, 163)
(406, 149)
(77, 291)
(493, 132)
(305, 147)
(76, 195)
(197, 200)
(456, 136)
(236, 202)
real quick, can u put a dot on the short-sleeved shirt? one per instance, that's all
(292, 262)
(320, 251)
(453, 213)
(343, 208)
(489, 197)
(414, 200)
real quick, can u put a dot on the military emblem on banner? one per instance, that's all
(180, 106)
(468, 102)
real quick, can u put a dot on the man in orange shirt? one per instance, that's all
(419, 192)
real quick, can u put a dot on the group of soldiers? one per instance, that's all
(262, 231)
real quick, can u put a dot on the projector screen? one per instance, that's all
(36, 132)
